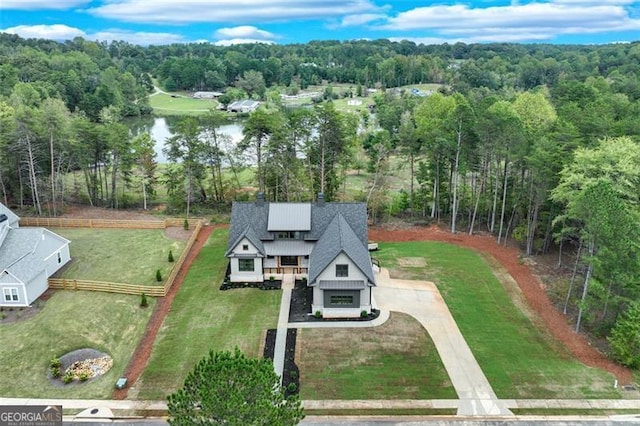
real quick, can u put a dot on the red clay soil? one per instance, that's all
(529, 284)
(141, 355)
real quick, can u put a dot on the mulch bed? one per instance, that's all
(142, 353)
(530, 285)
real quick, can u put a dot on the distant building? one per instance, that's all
(246, 105)
(354, 102)
(28, 257)
(207, 95)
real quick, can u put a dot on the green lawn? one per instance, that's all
(129, 256)
(164, 104)
(518, 357)
(70, 320)
(203, 318)
(397, 360)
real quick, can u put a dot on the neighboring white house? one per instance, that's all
(207, 95)
(326, 243)
(28, 257)
(247, 105)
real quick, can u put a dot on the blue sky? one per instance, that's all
(226, 22)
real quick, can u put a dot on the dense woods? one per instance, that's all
(537, 143)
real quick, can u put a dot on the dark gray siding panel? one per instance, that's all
(342, 298)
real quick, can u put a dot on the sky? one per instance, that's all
(225, 22)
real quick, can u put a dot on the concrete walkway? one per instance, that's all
(283, 325)
(408, 404)
(422, 300)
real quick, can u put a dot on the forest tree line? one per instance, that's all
(533, 142)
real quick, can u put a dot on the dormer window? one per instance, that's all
(288, 235)
(245, 247)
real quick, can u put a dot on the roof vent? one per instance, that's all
(3, 217)
(320, 199)
(260, 199)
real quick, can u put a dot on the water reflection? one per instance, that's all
(160, 129)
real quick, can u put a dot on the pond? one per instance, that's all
(160, 129)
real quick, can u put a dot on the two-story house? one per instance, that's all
(324, 243)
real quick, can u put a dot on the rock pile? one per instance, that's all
(89, 368)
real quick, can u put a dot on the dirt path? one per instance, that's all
(529, 284)
(141, 355)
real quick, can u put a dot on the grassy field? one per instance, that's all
(397, 360)
(518, 357)
(129, 256)
(164, 104)
(203, 318)
(70, 320)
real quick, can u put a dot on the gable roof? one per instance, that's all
(339, 237)
(24, 251)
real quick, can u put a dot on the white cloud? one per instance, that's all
(184, 11)
(229, 42)
(137, 37)
(63, 32)
(41, 4)
(516, 22)
(361, 19)
(244, 31)
(54, 32)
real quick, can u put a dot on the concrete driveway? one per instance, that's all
(422, 300)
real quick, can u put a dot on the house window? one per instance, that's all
(10, 294)
(342, 270)
(289, 260)
(59, 259)
(288, 235)
(342, 299)
(245, 265)
(245, 247)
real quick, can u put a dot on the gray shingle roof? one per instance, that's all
(339, 237)
(24, 250)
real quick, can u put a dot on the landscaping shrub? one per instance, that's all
(55, 362)
(55, 372)
(318, 314)
(363, 314)
(143, 301)
(186, 224)
(170, 257)
(67, 378)
(83, 376)
(158, 275)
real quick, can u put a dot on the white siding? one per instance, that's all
(245, 276)
(19, 288)
(36, 287)
(329, 274)
(57, 260)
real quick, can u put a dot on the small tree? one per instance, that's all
(229, 388)
(186, 224)
(158, 275)
(143, 301)
(625, 337)
(170, 257)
